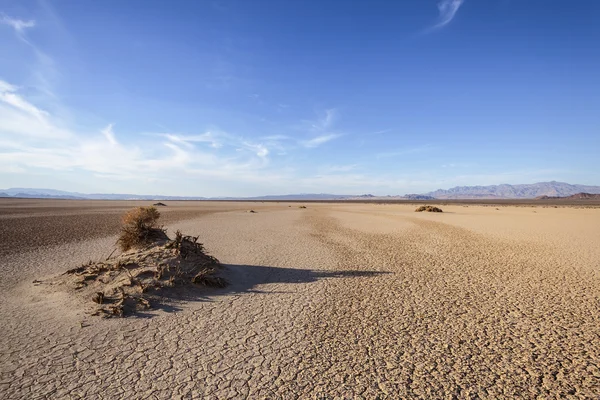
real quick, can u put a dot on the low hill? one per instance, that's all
(576, 196)
(418, 197)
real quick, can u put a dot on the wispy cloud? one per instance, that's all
(109, 135)
(276, 137)
(18, 116)
(255, 97)
(18, 25)
(218, 140)
(327, 120)
(259, 149)
(457, 165)
(321, 129)
(8, 95)
(447, 11)
(319, 140)
(28, 142)
(34, 141)
(404, 151)
(380, 132)
(7, 87)
(214, 139)
(44, 71)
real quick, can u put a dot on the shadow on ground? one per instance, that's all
(245, 279)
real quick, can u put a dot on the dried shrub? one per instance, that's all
(139, 228)
(428, 209)
(143, 279)
(138, 280)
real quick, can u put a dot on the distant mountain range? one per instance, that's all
(541, 190)
(60, 194)
(526, 191)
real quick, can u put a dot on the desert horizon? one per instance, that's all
(330, 300)
(552, 190)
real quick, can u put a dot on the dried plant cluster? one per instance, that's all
(428, 209)
(132, 281)
(139, 228)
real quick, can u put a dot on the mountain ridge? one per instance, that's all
(552, 189)
(61, 194)
(518, 191)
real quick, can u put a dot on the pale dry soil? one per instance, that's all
(332, 301)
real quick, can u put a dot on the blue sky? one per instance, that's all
(242, 98)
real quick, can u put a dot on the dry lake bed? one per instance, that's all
(328, 301)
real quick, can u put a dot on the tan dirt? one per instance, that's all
(332, 301)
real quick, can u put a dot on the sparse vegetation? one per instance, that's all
(139, 228)
(129, 283)
(302, 207)
(428, 209)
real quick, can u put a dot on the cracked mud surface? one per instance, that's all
(334, 301)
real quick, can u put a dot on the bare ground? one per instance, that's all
(334, 301)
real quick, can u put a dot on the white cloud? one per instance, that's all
(447, 10)
(380, 132)
(276, 137)
(8, 96)
(260, 150)
(330, 116)
(326, 121)
(18, 25)
(321, 129)
(109, 135)
(214, 139)
(319, 140)
(218, 140)
(29, 140)
(21, 117)
(43, 71)
(7, 87)
(109, 160)
(177, 139)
